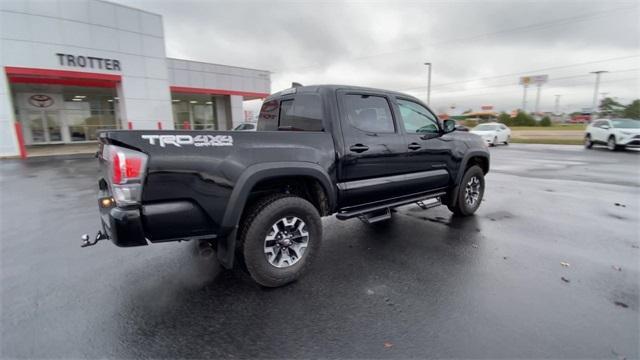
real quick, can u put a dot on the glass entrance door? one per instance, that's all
(43, 127)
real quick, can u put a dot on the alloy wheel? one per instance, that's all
(286, 242)
(472, 191)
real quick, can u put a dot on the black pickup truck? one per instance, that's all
(258, 197)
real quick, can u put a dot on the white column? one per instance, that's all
(8, 136)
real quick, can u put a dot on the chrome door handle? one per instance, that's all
(414, 146)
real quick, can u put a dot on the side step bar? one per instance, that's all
(348, 214)
(376, 216)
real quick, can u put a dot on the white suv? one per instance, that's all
(615, 133)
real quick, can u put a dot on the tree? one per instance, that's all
(505, 119)
(546, 121)
(632, 110)
(610, 108)
(523, 119)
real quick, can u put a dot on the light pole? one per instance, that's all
(557, 110)
(594, 105)
(429, 84)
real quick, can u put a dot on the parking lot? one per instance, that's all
(548, 268)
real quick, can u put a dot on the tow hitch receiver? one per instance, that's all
(99, 236)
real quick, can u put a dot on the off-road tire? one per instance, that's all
(255, 226)
(460, 206)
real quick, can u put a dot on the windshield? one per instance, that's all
(626, 123)
(485, 127)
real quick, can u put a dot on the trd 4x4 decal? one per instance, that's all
(198, 140)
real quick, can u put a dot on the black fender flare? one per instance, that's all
(240, 194)
(453, 193)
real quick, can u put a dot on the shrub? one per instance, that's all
(546, 121)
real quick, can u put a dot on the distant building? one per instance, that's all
(482, 116)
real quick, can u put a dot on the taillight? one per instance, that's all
(127, 169)
(127, 166)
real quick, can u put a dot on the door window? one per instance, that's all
(369, 113)
(417, 118)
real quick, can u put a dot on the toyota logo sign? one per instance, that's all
(40, 100)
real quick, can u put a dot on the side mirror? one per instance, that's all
(605, 127)
(448, 126)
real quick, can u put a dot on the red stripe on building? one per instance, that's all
(60, 77)
(192, 90)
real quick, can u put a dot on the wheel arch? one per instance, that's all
(480, 158)
(261, 177)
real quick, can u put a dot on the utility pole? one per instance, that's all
(524, 99)
(429, 84)
(594, 105)
(557, 109)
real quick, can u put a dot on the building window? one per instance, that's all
(194, 112)
(62, 114)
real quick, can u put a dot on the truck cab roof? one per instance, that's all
(335, 87)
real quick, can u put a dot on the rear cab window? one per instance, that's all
(299, 112)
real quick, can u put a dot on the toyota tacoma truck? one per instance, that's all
(258, 197)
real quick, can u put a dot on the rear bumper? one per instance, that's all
(124, 227)
(158, 222)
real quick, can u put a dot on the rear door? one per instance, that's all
(374, 149)
(598, 133)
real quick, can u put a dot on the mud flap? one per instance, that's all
(226, 249)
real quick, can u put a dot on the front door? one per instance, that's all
(373, 149)
(428, 151)
(43, 127)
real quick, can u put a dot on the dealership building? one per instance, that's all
(70, 68)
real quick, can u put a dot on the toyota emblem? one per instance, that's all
(40, 100)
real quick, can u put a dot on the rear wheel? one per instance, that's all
(470, 192)
(588, 144)
(279, 238)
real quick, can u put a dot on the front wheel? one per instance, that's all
(506, 142)
(470, 192)
(611, 143)
(280, 235)
(495, 141)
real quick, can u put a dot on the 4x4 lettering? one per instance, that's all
(198, 140)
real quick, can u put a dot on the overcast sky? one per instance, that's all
(385, 43)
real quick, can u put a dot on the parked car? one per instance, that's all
(493, 133)
(616, 134)
(460, 127)
(246, 127)
(350, 151)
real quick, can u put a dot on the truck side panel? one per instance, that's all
(197, 181)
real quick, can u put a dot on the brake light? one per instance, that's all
(126, 172)
(126, 167)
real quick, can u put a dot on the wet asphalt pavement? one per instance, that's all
(425, 286)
